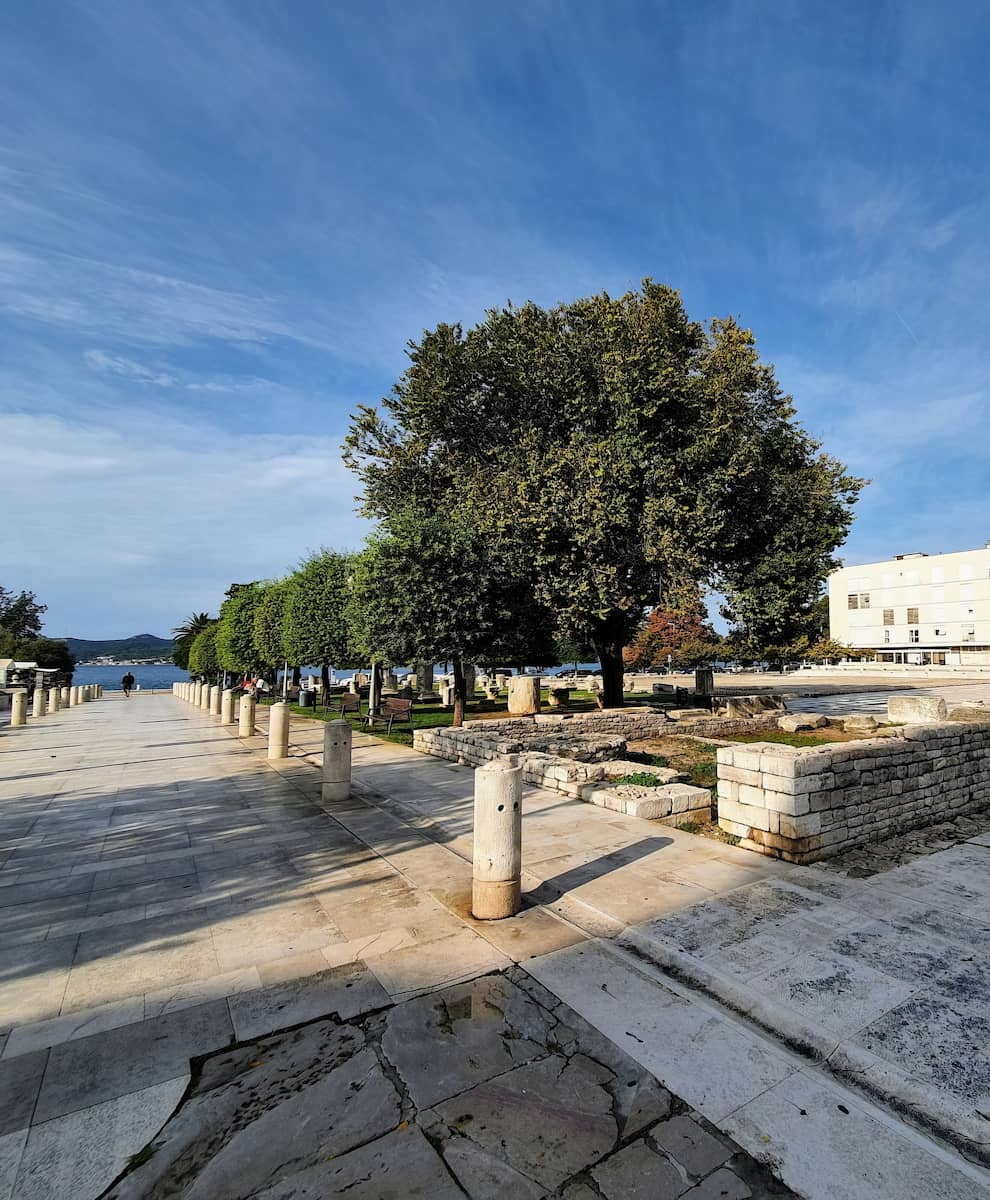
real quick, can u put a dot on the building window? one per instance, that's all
(940, 631)
(969, 633)
(864, 599)
(912, 617)
(914, 635)
(853, 600)
(888, 616)
(886, 635)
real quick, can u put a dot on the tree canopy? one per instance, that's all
(269, 623)
(20, 613)
(203, 652)
(185, 634)
(613, 450)
(235, 646)
(317, 630)
(681, 635)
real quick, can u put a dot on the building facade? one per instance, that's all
(916, 608)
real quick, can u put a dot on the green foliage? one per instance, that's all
(606, 448)
(235, 648)
(20, 614)
(317, 628)
(185, 634)
(203, 652)
(826, 648)
(640, 779)
(681, 634)
(46, 652)
(269, 623)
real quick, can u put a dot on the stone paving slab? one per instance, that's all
(484, 1089)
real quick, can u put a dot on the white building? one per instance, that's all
(916, 608)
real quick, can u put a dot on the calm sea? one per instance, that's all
(156, 677)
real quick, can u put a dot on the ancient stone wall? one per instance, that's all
(808, 804)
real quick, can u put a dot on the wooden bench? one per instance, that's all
(345, 703)
(392, 710)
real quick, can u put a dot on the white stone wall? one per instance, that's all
(807, 804)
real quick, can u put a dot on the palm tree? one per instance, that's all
(185, 634)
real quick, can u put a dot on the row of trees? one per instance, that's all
(20, 632)
(558, 473)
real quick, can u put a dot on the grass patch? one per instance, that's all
(687, 755)
(640, 779)
(815, 737)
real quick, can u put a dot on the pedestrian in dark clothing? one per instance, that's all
(127, 683)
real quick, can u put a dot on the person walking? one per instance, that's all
(127, 683)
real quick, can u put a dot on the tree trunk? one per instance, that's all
(460, 693)
(375, 689)
(325, 680)
(296, 676)
(609, 651)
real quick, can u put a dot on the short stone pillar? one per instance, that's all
(524, 695)
(87, 694)
(353, 686)
(245, 726)
(54, 699)
(19, 708)
(470, 676)
(278, 730)
(447, 695)
(215, 700)
(337, 738)
(424, 678)
(73, 697)
(559, 696)
(704, 681)
(500, 680)
(39, 706)
(204, 697)
(64, 697)
(496, 890)
(227, 708)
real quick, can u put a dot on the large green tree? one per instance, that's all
(269, 623)
(185, 634)
(46, 652)
(235, 646)
(317, 628)
(622, 450)
(203, 652)
(20, 613)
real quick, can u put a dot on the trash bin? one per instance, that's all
(307, 698)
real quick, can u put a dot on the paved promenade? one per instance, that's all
(165, 893)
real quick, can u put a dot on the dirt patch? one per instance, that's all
(693, 757)
(812, 737)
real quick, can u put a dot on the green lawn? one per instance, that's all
(433, 716)
(817, 737)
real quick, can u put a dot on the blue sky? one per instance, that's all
(220, 224)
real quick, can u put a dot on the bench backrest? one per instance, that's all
(349, 702)
(397, 708)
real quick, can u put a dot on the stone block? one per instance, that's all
(916, 710)
(858, 722)
(740, 775)
(796, 722)
(969, 712)
(751, 706)
(747, 815)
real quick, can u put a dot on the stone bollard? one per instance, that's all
(73, 697)
(227, 708)
(524, 695)
(19, 708)
(496, 890)
(246, 725)
(64, 697)
(215, 700)
(204, 697)
(447, 695)
(85, 695)
(337, 736)
(38, 706)
(278, 731)
(54, 699)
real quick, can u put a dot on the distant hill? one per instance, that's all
(142, 645)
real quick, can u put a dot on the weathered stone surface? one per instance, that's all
(524, 695)
(692, 1146)
(443, 1043)
(969, 712)
(858, 722)
(638, 1173)
(917, 710)
(547, 1119)
(751, 706)
(796, 722)
(400, 1166)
